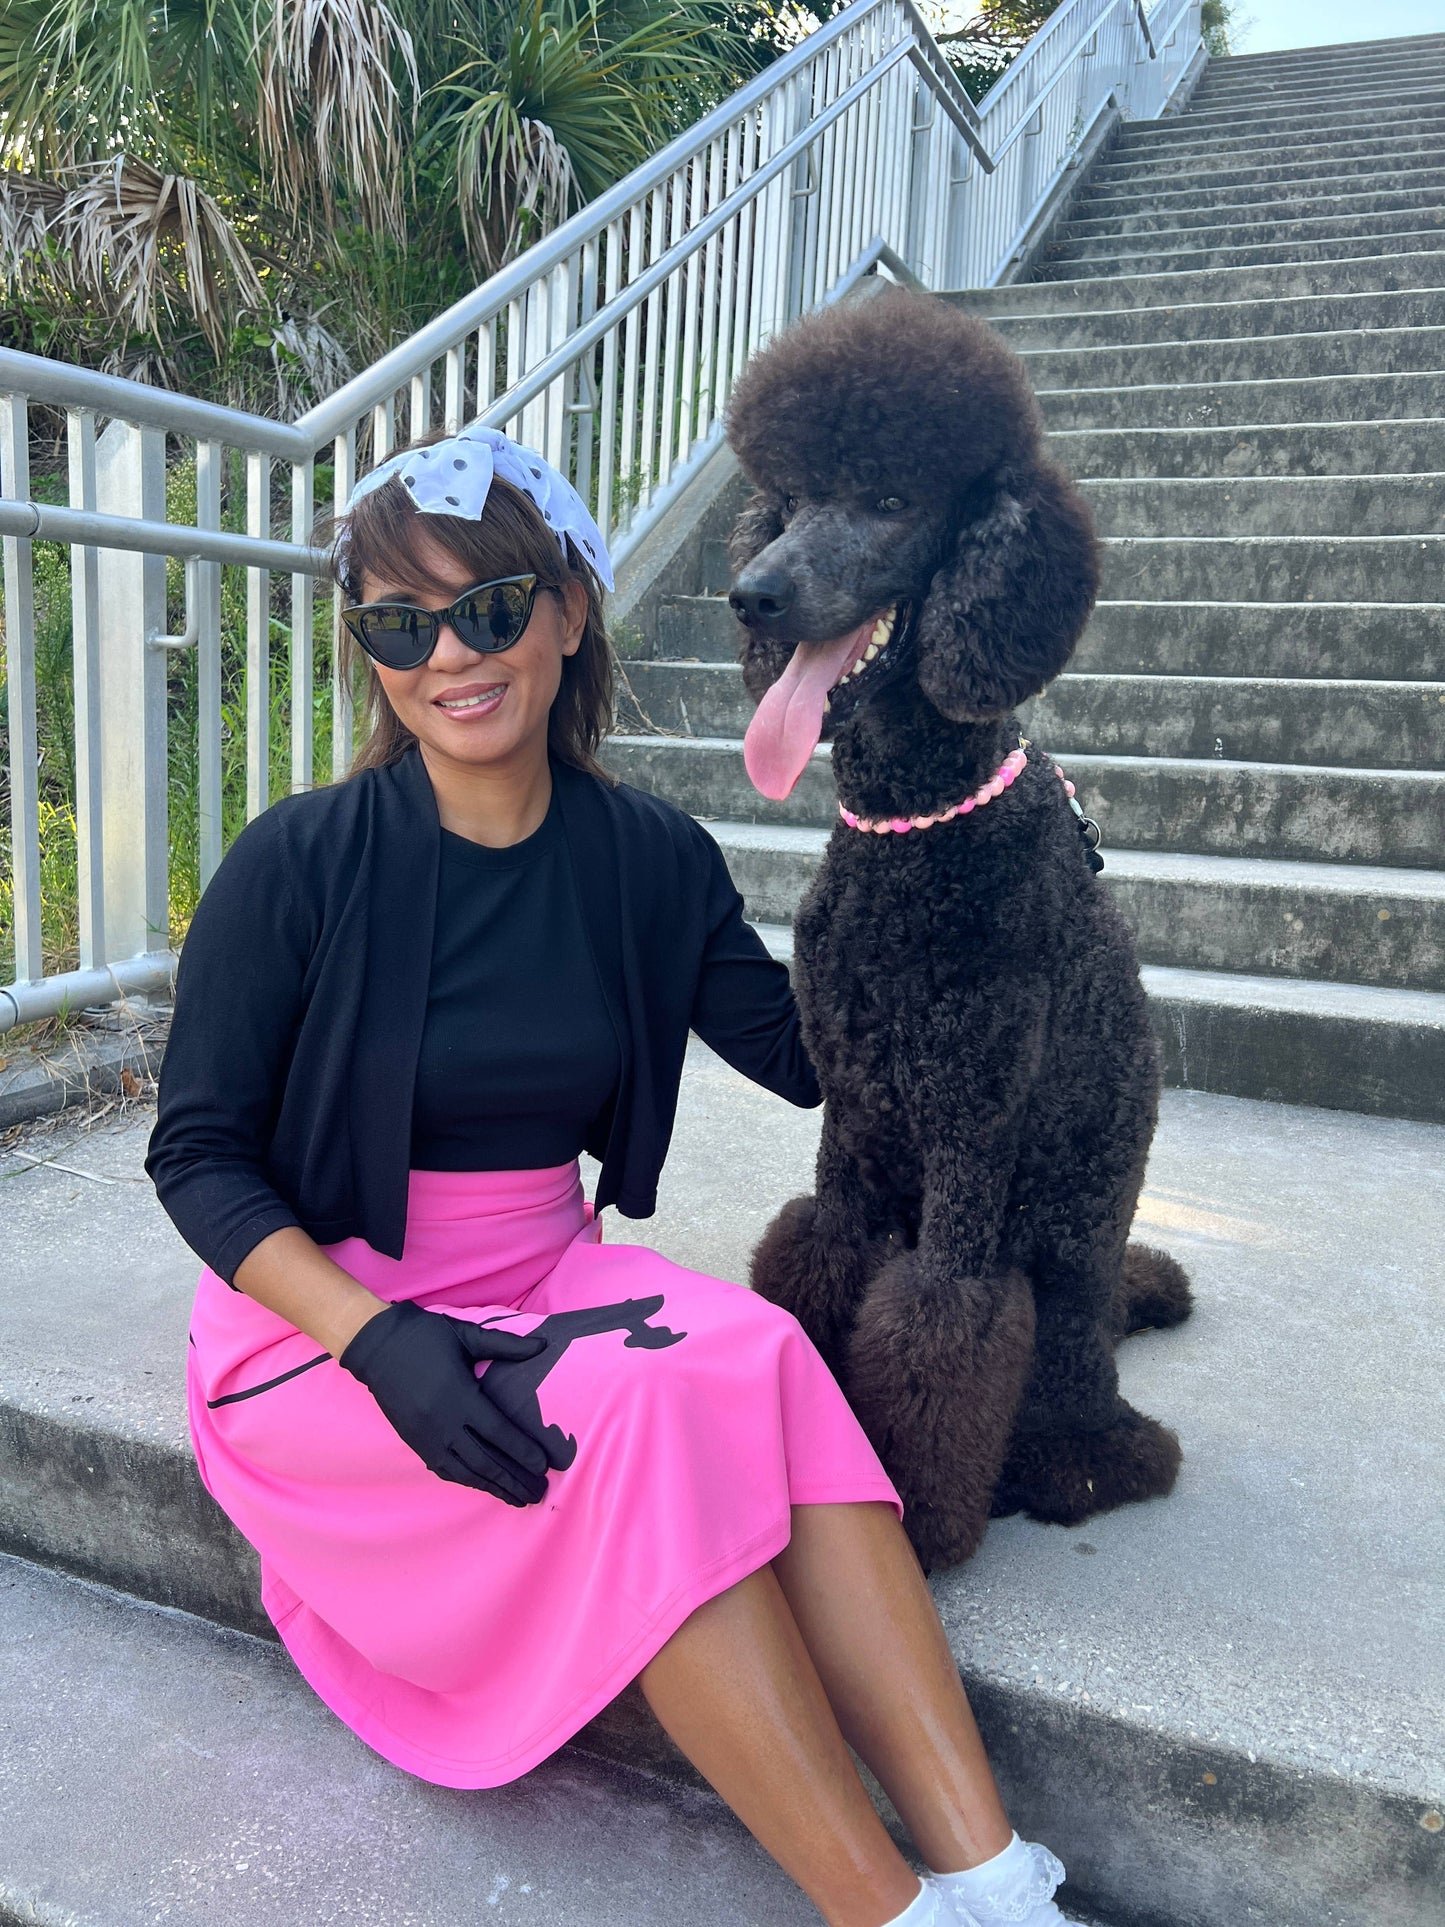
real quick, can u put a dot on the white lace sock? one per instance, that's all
(927, 1909)
(1015, 1887)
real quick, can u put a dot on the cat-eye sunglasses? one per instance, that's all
(487, 618)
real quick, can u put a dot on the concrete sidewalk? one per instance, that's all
(1229, 1705)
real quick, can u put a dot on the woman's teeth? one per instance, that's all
(471, 702)
(877, 642)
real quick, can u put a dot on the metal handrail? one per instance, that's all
(612, 345)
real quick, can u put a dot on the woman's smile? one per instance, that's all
(473, 703)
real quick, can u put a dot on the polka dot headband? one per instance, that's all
(453, 477)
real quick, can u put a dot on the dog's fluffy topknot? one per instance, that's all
(824, 411)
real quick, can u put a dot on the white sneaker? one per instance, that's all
(1014, 1889)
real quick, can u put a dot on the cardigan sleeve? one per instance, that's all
(239, 996)
(744, 1007)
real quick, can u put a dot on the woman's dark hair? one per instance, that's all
(510, 539)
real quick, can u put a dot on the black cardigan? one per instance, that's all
(286, 1089)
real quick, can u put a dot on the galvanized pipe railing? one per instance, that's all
(612, 346)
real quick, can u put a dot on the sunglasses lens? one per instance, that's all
(397, 636)
(495, 616)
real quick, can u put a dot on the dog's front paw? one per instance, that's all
(935, 1375)
(1063, 1478)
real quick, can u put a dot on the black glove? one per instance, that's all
(417, 1365)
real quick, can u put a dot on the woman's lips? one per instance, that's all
(465, 706)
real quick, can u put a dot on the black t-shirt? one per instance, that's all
(518, 1053)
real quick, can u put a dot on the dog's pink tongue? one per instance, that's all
(785, 729)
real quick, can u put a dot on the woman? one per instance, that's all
(406, 1004)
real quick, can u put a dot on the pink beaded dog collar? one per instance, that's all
(1008, 771)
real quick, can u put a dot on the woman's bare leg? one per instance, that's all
(862, 1605)
(737, 1691)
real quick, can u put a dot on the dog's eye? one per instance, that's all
(790, 504)
(891, 504)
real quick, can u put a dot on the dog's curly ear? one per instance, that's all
(757, 525)
(1004, 612)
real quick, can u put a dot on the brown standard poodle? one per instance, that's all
(911, 567)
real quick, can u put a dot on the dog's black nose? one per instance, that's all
(762, 598)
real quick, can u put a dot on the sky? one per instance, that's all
(1271, 24)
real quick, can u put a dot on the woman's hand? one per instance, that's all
(418, 1366)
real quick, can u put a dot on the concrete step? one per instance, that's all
(1423, 113)
(1414, 396)
(1383, 79)
(1207, 322)
(1336, 922)
(1329, 723)
(1135, 180)
(700, 627)
(1263, 568)
(1271, 504)
(1352, 452)
(163, 1769)
(1388, 147)
(1342, 59)
(1417, 97)
(1093, 262)
(1402, 642)
(1260, 189)
(1267, 281)
(1267, 232)
(1191, 261)
(1417, 205)
(1296, 1042)
(1266, 357)
(1214, 807)
(1256, 1658)
(1319, 721)
(1266, 568)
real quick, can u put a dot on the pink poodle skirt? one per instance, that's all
(462, 1638)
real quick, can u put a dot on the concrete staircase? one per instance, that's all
(1238, 338)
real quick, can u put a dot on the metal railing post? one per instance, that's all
(85, 676)
(20, 695)
(130, 480)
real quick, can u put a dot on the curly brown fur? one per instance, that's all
(969, 994)
(935, 1376)
(1153, 1292)
(1063, 1481)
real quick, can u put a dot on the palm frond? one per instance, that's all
(159, 241)
(28, 205)
(555, 115)
(307, 359)
(329, 110)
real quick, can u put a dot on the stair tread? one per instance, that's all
(681, 745)
(1180, 311)
(1262, 873)
(1423, 260)
(1384, 685)
(1363, 1003)
(164, 1768)
(1312, 996)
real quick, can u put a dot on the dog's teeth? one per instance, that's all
(882, 630)
(872, 651)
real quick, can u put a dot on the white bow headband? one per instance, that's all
(452, 477)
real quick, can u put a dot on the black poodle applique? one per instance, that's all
(514, 1384)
